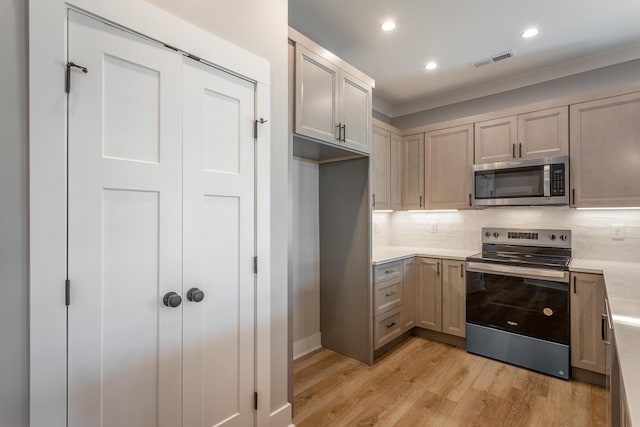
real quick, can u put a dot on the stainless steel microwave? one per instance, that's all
(534, 182)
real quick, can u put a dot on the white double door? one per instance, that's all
(160, 200)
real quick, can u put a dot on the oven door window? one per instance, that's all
(535, 308)
(510, 183)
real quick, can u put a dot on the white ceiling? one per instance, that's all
(575, 36)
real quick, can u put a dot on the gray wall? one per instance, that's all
(383, 118)
(14, 328)
(614, 75)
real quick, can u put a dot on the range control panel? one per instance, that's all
(557, 238)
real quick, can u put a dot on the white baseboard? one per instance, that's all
(281, 417)
(306, 345)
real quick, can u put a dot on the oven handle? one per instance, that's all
(526, 272)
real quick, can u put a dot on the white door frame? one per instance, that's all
(48, 194)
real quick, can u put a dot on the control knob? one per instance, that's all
(487, 234)
(563, 237)
(552, 237)
(496, 234)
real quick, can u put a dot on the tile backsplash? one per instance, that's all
(591, 229)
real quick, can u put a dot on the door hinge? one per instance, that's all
(67, 80)
(67, 292)
(255, 400)
(260, 121)
(255, 265)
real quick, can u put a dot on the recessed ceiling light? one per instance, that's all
(431, 65)
(388, 26)
(530, 32)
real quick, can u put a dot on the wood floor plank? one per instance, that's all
(426, 383)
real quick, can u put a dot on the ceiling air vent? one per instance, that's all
(493, 59)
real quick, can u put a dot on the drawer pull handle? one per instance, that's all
(388, 294)
(391, 324)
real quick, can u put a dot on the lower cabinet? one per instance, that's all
(428, 293)
(388, 302)
(454, 296)
(441, 295)
(408, 293)
(587, 304)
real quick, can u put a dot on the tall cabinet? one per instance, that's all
(331, 125)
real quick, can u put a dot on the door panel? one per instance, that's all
(355, 112)
(448, 165)
(428, 294)
(413, 172)
(381, 164)
(218, 247)
(543, 133)
(124, 230)
(495, 140)
(317, 90)
(454, 293)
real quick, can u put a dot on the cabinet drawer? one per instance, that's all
(387, 327)
(387, 295)
(388, 271)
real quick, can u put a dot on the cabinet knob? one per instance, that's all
(172, 299)
(195, 295)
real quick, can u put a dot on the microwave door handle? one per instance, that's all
(547, 180)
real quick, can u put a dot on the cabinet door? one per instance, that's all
(495, 140)
(395, 169)
(355, 112)
(408, 293)
(543, 133)
(316, 96)
(448, 164)
(605, 152)
(587, 306)
(413, 172)
(380, 174)
(454, 298)
(429, 294)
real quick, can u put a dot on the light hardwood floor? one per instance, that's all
(425, 383)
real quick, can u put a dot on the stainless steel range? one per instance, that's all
(518, 298)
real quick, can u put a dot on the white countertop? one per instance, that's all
(622, 282)
(395, 253)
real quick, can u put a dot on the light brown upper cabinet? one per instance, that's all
(605, 152)
(587, 307)
(395, 170)
(386, 170)
(332, 105)
(495, 140)
(381, 168)
(413, 172)
(448, 164)
(543, 133)
(526, 136)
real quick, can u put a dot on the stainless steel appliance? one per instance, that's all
(543, 181)
(517, 302)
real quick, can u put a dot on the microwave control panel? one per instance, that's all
(557, 180)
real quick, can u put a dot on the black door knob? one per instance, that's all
(195, 295)
(172, 299)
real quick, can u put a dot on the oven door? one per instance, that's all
(525, 304)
